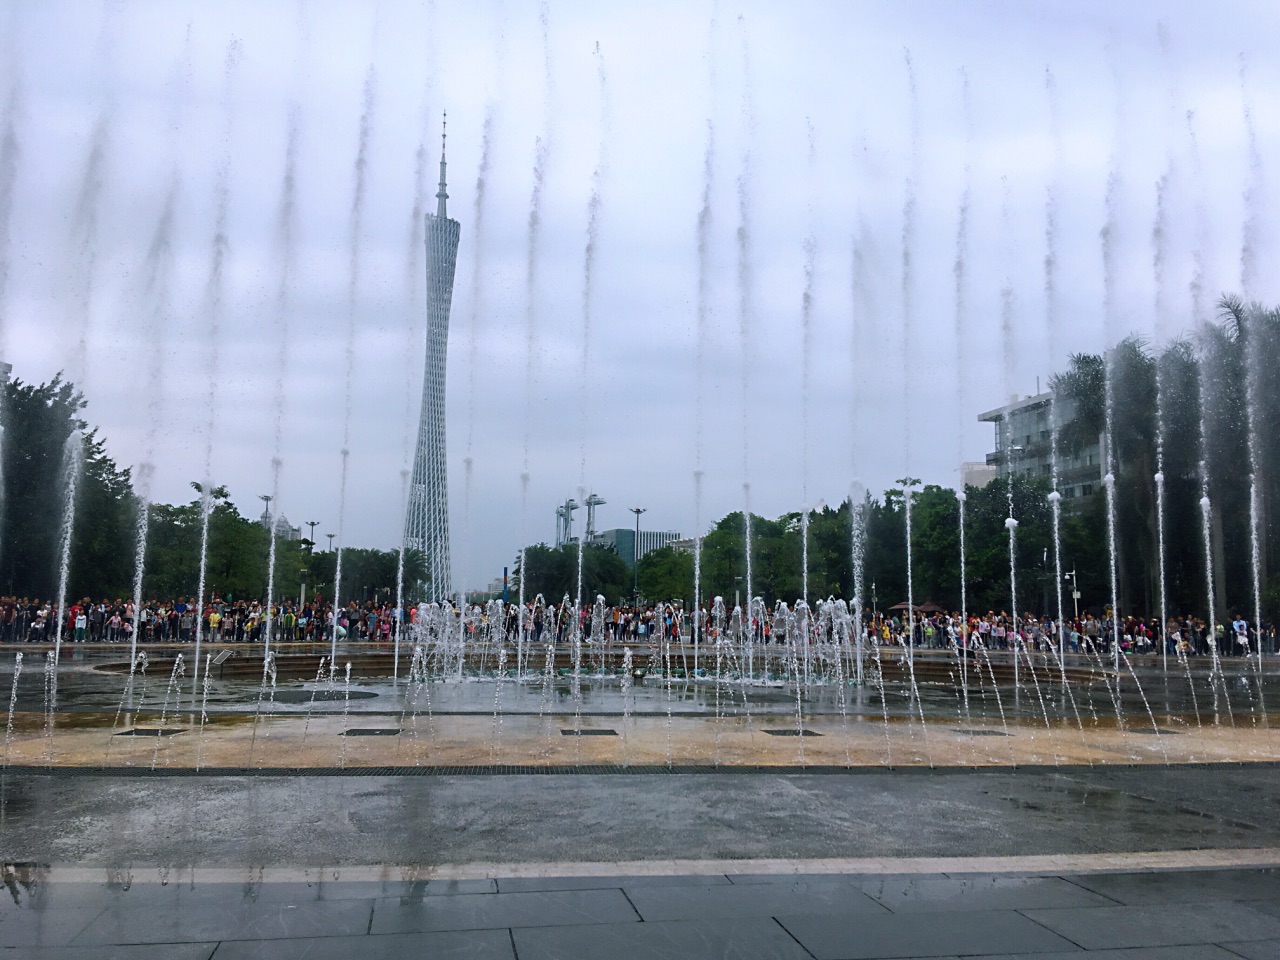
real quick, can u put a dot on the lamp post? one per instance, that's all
(635, 560)
(330, 536)
(313, 524)
(1075, 590)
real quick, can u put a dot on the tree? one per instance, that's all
(665, 574)
(553, 573)
(40, 423)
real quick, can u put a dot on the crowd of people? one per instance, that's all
(1183, 635)
(246, 621)
(221, 621)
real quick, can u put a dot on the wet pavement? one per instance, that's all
(1045, 825)
(1184, 915)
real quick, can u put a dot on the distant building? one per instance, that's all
(684, 545)
(623, 542)
(977, 473)
(1024, 447)
(284, 529)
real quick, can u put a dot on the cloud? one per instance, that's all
(837, 66)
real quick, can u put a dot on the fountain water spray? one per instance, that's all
(145, 472)
(286, 226)
(1110, 459)
(399, 624)
(746, 285)
(810, 249)
(179, 670)
(589, 254)
(1010, 368)
(10, 157)
(204, 708)
(356, 223)
(13, 703)
(473, 326)
(10, 154)
(72, 465)
(1255, 204)
(697, 568)
(908, 335)
(960, 271)
(213, 306)
(1052, 328)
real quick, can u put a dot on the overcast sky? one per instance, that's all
(821, 154)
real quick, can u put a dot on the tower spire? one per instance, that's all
(442, 195)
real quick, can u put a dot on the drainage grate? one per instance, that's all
(150, 732)
(793, 733)
(1151, 731)
(371, 732)
(984, 733)
(589, 733)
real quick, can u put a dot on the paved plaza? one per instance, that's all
(1177, 915)
(1159, 861)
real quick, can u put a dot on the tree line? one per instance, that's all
(44, 426)
(1183, 410)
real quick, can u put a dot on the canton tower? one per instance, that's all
(427, 518)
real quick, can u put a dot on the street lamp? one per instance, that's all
(635, 563)
(330, 536)
(1075, 590)
(313, 524)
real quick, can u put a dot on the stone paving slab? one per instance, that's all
(1255, 949)
(926, 894)
(227, 920)
(904, 935)
(463, 945)
(829, 917)
(1184, 886)
(738, 939)
(1196, 951)
(489, 910)
(1152, 925)
(154, 951)
(829, 895)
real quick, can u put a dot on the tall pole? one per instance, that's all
(635, 560)
(313, 524)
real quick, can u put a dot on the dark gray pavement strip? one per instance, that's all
(492, 910)
(1195, 951)
(133, 951)
(1183, 886)
(1254, 949)
(739, 939)
(467, 945)
(54, 925)
(126, 923)
(833, 895)
(831, 917)
(942, 935)
(1158, 925)
(250, 822)
(930, 893)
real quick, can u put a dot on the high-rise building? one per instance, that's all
(427, 519)
(1023, 447)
